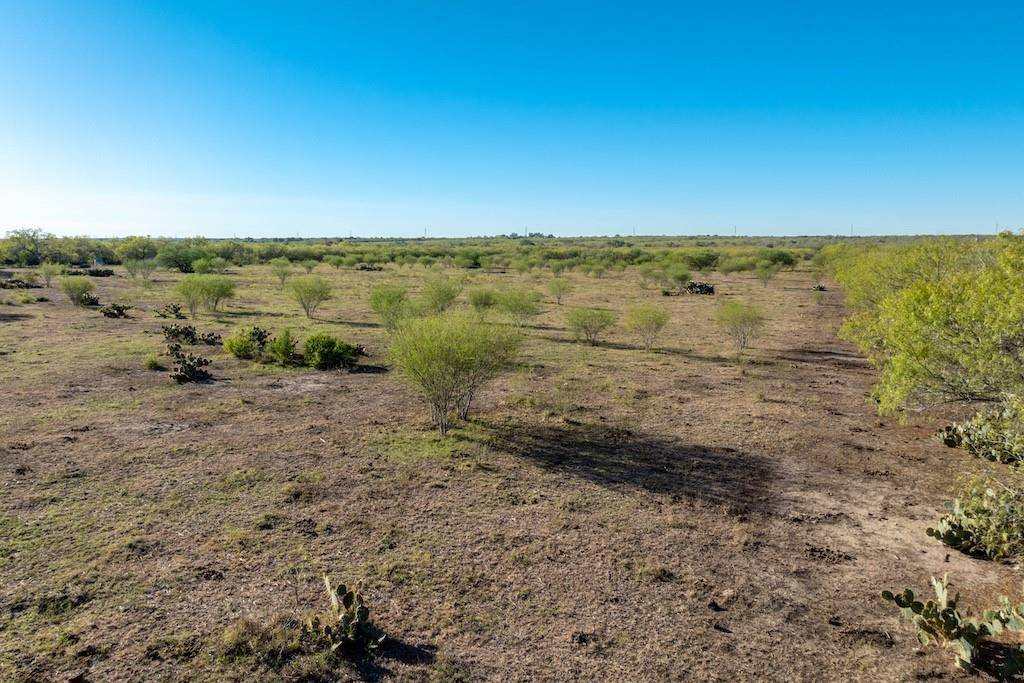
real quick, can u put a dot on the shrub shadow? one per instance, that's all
(14, 317)
(624, 459)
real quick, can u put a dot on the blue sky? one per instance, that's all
(383, 118)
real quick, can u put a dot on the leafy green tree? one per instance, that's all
(309, 291)
(137, 249)
(646, 321)
(391, 304)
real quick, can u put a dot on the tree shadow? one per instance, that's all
(619, 346)
(14, 317)
(351, 323)
(624, 459)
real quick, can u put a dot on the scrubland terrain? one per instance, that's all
(608, 513)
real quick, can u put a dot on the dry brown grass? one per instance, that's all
(610, 514)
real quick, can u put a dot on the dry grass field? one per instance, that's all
(608, 514)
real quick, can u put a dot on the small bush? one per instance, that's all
(483, 299)
(324, 352)
(986, 519)
(308, 265)
(647, 322)
(247, 342)
(205, 291)
(26, 299)
(282, 348)
(99, 272)
(449, 358)
(48, 271)
(152, 362)
(439, 294)
(520, 305)
(78, 289)
(309, 292)
(589, 323)
(741, 322)
(559, 288)
(281, 268)
(391, 304)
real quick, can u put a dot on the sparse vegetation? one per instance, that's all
(390, 304)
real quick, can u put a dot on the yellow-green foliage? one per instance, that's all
(449, 358)
(646, 321)
(309, 291)
(943, 319)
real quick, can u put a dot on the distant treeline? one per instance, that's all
(594, 254)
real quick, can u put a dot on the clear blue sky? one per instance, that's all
(382, 118)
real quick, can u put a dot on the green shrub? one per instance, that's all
(78, 289)
(766, 271)
(152, 362)
(559, 288)
(646, 321)
(390, 304)
(985, 519)
(282, 348)
(309, 292)
(207, 291)
(675, 278)
(48, 271)
(589, 323)
(742, 322)
(247, 342)
(483, 299)
(308, 265)
(439, 294)
(26, 299)
(520, 305)
(449, 358)
(281, 268)
(324, 352)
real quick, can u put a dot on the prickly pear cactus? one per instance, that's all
(347, 624)
(940, 622)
